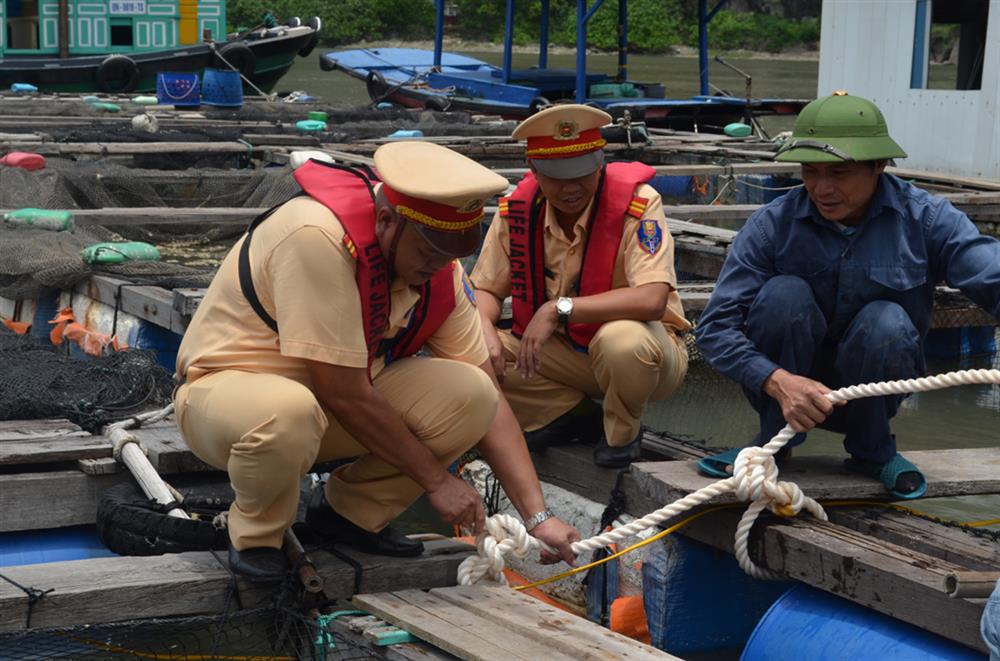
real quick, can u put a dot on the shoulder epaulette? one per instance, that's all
(503, 205)
(637, 207)
(351, 248)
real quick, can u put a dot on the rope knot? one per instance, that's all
(503, 534)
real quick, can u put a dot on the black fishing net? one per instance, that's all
(38, 381)
(272, 632)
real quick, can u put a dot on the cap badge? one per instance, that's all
(470, 206)
(567, 130)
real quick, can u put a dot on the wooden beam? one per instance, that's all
(104, 590)
(948, 473)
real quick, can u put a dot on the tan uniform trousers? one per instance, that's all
(628, 364)
(267, 431)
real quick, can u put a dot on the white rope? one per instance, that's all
(754, 478)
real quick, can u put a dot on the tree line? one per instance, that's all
(654, 25)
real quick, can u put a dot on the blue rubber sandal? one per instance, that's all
(888, 474)
(715, 465)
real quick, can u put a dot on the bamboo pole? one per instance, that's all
(971, 584)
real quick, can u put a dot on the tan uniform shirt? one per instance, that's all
(304, 276)
(634, 265)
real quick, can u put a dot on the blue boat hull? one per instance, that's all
(408, 77)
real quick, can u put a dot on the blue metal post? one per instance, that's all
(581, 51)
(622, 40)
(703, 46)
(704, 17)
(543, 37)
(508, 40)
(438, 31)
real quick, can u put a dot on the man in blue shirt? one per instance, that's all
(832, 285)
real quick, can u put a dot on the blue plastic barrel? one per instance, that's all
(222, 88)
(806, 623)
(54, 545)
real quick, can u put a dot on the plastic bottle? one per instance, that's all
(23, 88)
(46, 219)
(310, 125)
(118, 252)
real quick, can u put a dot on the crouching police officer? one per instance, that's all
(303, 351)
(833, 284)
(584, 252)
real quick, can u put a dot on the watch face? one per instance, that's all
(564, 306)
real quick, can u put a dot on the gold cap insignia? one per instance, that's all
(471, 206)
(567, 130)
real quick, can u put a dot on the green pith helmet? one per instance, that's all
(839, 128)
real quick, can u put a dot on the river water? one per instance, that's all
(712, 409)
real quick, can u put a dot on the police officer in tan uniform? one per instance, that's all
(303, 351)
(582, 247)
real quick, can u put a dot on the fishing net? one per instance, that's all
(38, 381)
(266, 633)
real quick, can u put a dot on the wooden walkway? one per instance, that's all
(100, 590)
(884, 559)
(490, 623)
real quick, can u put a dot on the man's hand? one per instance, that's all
(458, 503)
(803, 401)
(559, 535)
(539, 330)
(495, 347)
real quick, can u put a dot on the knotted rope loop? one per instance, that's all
(755, 478)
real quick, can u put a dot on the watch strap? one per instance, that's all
(535, 520)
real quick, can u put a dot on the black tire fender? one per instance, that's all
(310, 45)
(294, 22)
(130, 524)
(376, 86)
(239, 55)
(538, 103)
(438, 102)
(117, 73)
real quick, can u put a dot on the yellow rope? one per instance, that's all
(681, 524)
(659, 535)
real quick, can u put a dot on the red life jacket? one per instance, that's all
(348, 193)
(524, 211)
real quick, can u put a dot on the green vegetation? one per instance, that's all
(654, 25)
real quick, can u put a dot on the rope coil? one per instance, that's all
(754, 478)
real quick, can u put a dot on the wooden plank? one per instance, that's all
(60, 448)
(905, 585)
(487, 617)
(948, 473)
(348, 629)
(52, 499)
(948, 543)
(134, 148)
(18, 430)
(153, 304)
(126, 588)
(575, 636)
(452, 628)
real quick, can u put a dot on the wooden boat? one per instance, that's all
(447, 81)
(120, 46)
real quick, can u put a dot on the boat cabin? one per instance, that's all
(32, 27)
(944, 117)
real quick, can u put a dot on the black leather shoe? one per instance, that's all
(609, 457)
(583, 424)
(335, 528)
(259, 565)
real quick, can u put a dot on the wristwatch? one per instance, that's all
(564, 308)
(534, 521)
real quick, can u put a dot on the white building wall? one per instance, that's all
(867, 49)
